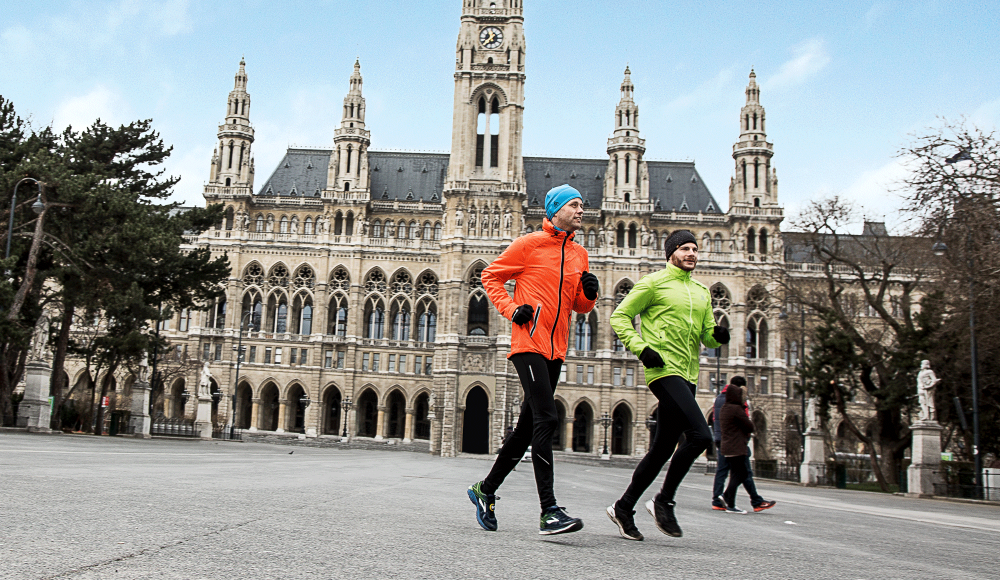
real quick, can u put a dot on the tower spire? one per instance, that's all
(755, 182)
(232, 166)
(348, 170)
(626, 180)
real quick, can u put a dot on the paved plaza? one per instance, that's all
(81, 507)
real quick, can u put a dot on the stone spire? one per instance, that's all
(232, 164)
(348, 170)
(627, 177)
(755, 183)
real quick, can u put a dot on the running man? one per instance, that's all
(552, 281)
(676, 313)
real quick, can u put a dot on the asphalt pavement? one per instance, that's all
(82, 507)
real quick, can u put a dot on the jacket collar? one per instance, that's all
(675, 272)
(552, 230)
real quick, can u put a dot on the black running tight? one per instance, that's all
(677, 413)
(535, 426)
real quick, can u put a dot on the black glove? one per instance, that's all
(721, 334)
(650, 358)
(523, 314)
(590, 285)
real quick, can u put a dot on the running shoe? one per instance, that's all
(764, 505)
(719, 504)
(625, 522)
(555, 521)
(735, 510)
(663, 515)
(484, 506)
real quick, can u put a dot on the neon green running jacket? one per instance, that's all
(675, 318)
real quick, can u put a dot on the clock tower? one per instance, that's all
(489, 98)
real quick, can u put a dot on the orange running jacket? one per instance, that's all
(546, 266)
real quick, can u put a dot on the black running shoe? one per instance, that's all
(764, 505)
(484, 507)
(625, 522)
(663, 515)
(555, 521)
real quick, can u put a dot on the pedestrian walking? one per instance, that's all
(757, 502)
(736, 431)
(552, 282)
(676, 318)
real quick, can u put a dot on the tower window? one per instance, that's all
(751, 241)
(348, 159)
(756, 172)
(495, 133)
(628, 160)
(480, 132)
(231, 147)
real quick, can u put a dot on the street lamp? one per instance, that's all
(940, 249)
(37, 207)
(605, 422)
(347, 404)
(239, 359)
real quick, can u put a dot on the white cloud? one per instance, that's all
(809, 58)
(100, 103)
(987, 116)
(876, 193)
(708, 92)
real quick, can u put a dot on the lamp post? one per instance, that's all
(347, 404)
(38, 206)
(940, 248)
(605, 422)
(239, 359)
(305, 401)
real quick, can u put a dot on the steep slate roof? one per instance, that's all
(394, 175)
(301, 170)
(672, 184)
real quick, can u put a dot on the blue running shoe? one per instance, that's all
(555, 521)
(484, 507)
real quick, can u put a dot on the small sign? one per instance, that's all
(52, 401)
(104, 401)
(947, 456)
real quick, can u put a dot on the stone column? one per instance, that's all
(203, 417)
(254, 414)
(139, 421)
(813, 461)
(379, 423)
(569, 435)
(34, 411)
(282, 409)
(408, 428)
(925, 455)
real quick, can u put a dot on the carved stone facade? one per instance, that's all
(355, 273)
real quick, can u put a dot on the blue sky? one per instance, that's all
(845, 84)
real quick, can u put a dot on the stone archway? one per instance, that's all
(295, 410)
(244, 406)
(331, 411)
(421, 424)
(395, 418)
(476, 422)
(583, 428)
(268, 408)
(177, 399)
(367, 414)
(621, 430)
(560, 432)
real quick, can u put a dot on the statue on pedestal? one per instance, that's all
(40, 339)
(812, 415)
(927, 381)
(143, 369)
(205, 381)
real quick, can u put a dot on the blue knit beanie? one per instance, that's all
(558, 197)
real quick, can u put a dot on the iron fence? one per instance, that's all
(227, 433)
(766, 469)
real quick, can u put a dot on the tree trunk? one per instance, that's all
(108, 377)
(59, 361)
(872, 450)
(29, 272)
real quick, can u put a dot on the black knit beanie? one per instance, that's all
(678, 239)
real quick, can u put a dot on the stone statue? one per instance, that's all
(364, 227)
(40, 339)
(144, 369)
(431, 401)
(205, 381)
(485, 231)
(524, 224)
(602, 237)
(270, 223)
(812, 415)
(927, 381)
(390, 230)
(644, 236)
(459, 214)
(295, 226)
(508, 220)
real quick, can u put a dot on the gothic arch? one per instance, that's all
(340, 278)
(291, 385)
(396, 387)
(481, 385)
(416, 395)
(480, 91)
(263, 383)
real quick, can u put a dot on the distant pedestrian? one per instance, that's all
(758, 503)
(736, 430)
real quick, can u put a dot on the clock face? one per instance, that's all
(491, 37)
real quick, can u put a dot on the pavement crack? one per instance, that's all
(147, 551)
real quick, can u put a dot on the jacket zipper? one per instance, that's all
(562, 263)
(687, 287)
(534, 323)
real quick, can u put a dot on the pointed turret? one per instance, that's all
(348, 170)
(232, 162)
(754, 183)
(627, 177)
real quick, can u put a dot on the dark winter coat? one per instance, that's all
(736, 426)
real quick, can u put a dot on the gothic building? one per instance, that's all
(356, 272)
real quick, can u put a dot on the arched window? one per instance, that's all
(426, 321)
(479, 315)
(377, 229)
(401, 230)
(631, 235)
(283, 225)
(437, 231)
(338, 317)
(620, 237)
(349, 224)
(585, 329)
(349, 151)
(374, 319)
(338, 224)
(414, 230)
(307, 226)
(305, 319)
(591, 238)
(763, 241)
(480, 131)
(717, 243)
(628, 162)
(743, 167)
(259, 224)
(495, 133)
(428, 231)
(723, 351)
(400, 319)
(756, 337)
(751, 241)
(229, 217)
